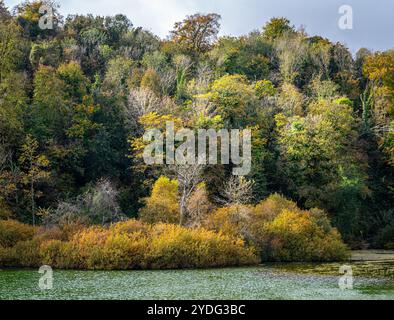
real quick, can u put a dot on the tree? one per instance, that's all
(151, 80)
(117, 78)
(6, 186)
(11, 45)
(343, 71)
(189, 177)
(4, 13)
(98, 205)
(29, 15)
(47, 53)
(379, 69)
(319, 161)
(141, 101)
(199, 206)
(233, 99)
(291, 100)
(292, 51)
(264, 89)
(237, 191)
(137, 42)
(197, 32)
(276, 28)
(250, 56)
(116, 28)
(51, 108)
(13, 101)
(35, 170)
(101, 203)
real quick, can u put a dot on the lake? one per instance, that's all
(372, 280)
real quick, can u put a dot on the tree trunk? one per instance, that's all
(183, 211)
(33, 209)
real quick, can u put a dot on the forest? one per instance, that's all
(76, 99)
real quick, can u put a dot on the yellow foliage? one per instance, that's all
(12, 232)
(280, 231)
(298, 237)
(132, 245)
(162, 205)
(172, 246)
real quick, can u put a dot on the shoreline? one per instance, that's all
(357, 256)
(372, 256)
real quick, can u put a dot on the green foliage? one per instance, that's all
(47, 53)
(318, 169)
(11, 46)
(264, 88)
(233, 99)
(385, 238)
(28, 17)
(276, 28)
(35, 170)
(249, 56)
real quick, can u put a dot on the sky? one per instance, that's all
(373, 20)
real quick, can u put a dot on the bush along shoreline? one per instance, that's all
(274, 230)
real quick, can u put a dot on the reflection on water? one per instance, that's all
(271, 281)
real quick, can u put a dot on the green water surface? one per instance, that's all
(266, 282)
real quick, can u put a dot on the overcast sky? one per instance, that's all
(373, 19)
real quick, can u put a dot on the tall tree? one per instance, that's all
(35, 170)
(277, 27)
(197, 32)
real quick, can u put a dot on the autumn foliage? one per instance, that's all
(131, 245)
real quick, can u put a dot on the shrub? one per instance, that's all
(130, 226)
(132, 245)
(12, 232)
(59, 254)
(98, 205)
(296, 237)
(162, 205)
(229, 220)
(280, 231)
(23, 254)
(176, 247)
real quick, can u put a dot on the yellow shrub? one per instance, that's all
(280, 231)
(162, 205)
(270, 208)
(59, 254)
(122, 251)
(299, 238)
(172, 246)
(130, 226)
(23, 254)
(132, 245)
(62, 232)
(12, 232)
(228, 220)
